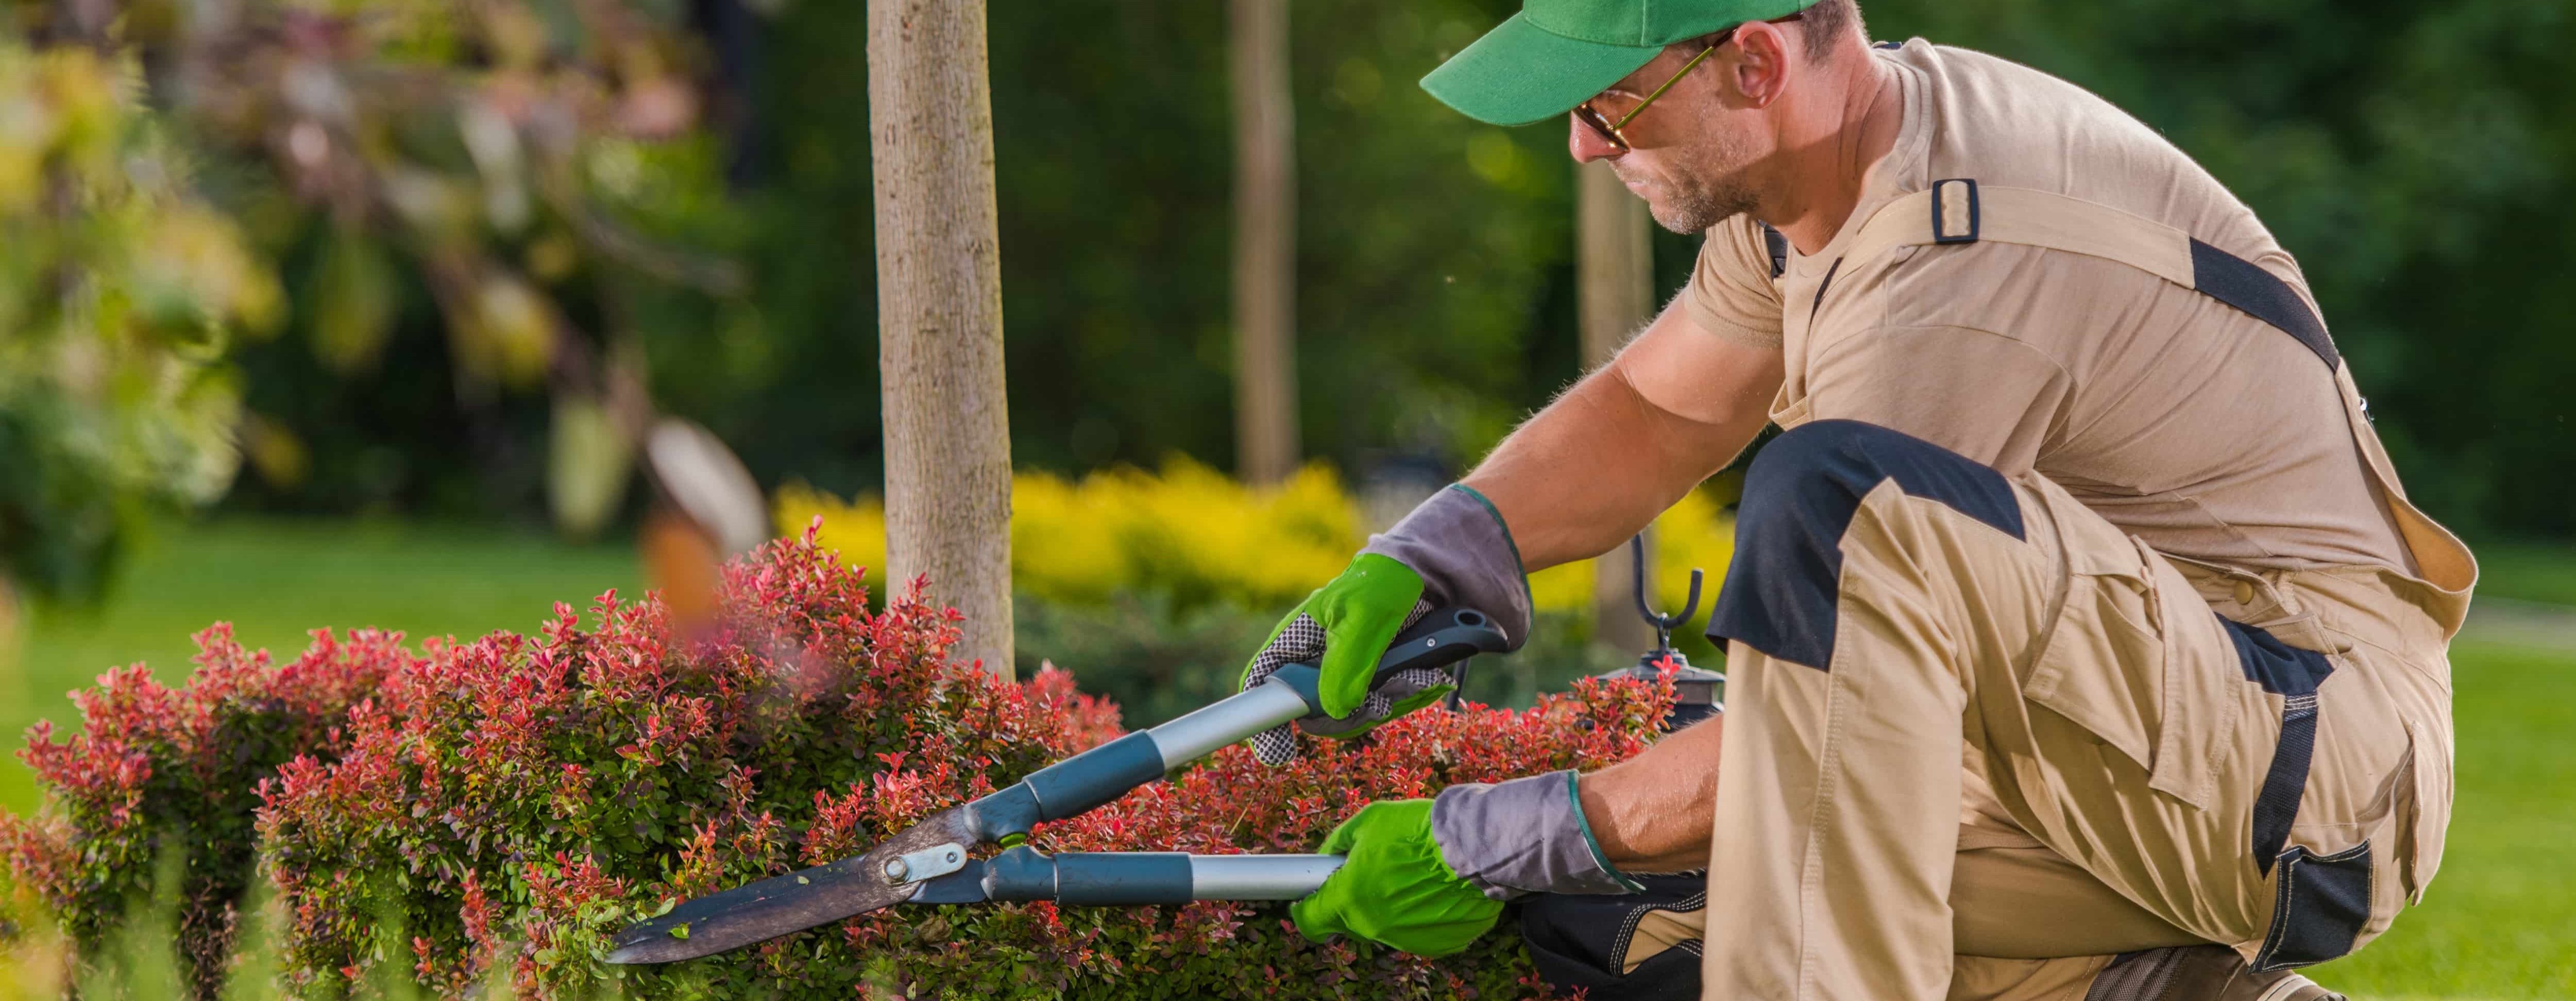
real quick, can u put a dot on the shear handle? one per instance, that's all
(1115, 879)
(1104, 773)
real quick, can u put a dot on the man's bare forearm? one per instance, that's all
(1654, 812)
(1589, 471)
(1601, 462)
(1626, 442)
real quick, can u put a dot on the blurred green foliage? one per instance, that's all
(468, 202)
(118, 291)
(713, 240)
(474, 204)
(1435, 293)
(2413, 156)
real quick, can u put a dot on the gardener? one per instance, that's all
(2075, 613)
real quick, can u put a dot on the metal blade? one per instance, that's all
(782, 905)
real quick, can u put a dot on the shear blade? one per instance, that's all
(783, 905)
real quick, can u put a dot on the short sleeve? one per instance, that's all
(1983, 395)
(1731, 293)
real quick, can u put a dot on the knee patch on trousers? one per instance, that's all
(1631, 947)
(1799, 498)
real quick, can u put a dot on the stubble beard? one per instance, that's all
(1707, 186)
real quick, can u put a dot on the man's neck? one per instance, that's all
(1827, 148)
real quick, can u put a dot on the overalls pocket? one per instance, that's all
(2103, 667)
(2428, 814)
(2126, 662)
(2335, 825)
(2319, 907)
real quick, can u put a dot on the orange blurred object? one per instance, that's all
(683, 562)
(706, 510)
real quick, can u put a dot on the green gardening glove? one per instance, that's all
(1453, 550)
(1394, 889)
(1348, 624)
(1357, 615)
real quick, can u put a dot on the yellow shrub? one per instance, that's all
(1190, 531)
(1199, 535)
(855, 529)
(1692, 533)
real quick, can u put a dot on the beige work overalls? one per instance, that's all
(2274, 777)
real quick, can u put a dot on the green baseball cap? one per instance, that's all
(1556, 54)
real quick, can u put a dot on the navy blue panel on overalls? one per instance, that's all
(2260, 294)
(2293, 674)
(2320, 902)
(1784, 584)
(1579, 942)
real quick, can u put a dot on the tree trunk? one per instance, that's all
(939, 309)
(9, 687)
(1265, 245)
(1615, 258)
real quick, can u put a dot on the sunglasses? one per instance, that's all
(1609, 130)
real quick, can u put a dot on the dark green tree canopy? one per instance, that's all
(2411, 155)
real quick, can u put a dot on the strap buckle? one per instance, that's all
(1954, 211)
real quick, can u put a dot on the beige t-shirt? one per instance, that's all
(2193, 426)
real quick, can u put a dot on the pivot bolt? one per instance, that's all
(896, 870)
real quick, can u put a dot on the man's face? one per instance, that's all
(1690, 153)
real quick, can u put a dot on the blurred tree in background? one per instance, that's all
(516, 181)
(2411, 155)
(587, 168)
(1431, 254)
(119, 289)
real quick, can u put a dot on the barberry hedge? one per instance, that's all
(490, 812)
(179, 773)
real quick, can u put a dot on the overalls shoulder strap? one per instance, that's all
(1961, 211)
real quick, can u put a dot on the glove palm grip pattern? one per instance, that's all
(1302, 641)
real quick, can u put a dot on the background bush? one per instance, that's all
(1187, 532)
(160, 779)
(120, 290)
(1196, 536)
(492, 811)
(1151, 586)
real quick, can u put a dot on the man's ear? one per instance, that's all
(1765, 55)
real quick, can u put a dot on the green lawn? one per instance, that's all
(2500, 920)
(2499, 923)
(2527, 571)
(275, 581)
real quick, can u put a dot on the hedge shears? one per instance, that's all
(932, 863)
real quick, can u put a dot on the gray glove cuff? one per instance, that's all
(1522, 836)
(1464, 552)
